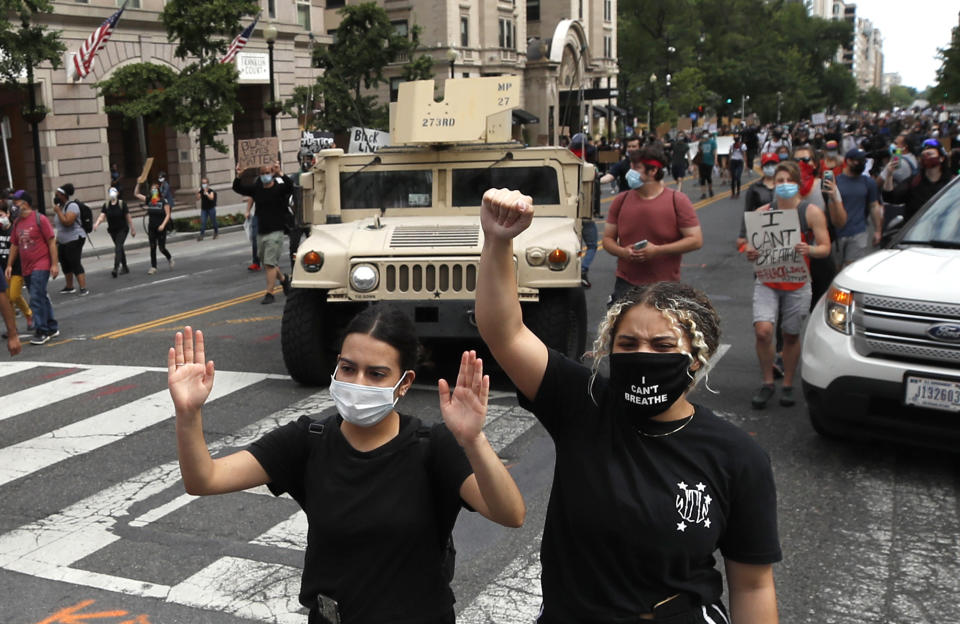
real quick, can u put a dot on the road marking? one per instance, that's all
(119, 333)
(66, 387)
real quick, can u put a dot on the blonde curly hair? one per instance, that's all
(688, 311)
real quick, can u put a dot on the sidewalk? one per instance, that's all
(99, 241)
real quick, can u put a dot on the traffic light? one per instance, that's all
(729, 101)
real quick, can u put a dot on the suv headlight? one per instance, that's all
(839, 310)
(364, 277)
(312, 261)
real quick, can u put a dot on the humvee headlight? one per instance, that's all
(364, 278)
(536, 256)
(558, 259)
(839, 310)
(312, 261)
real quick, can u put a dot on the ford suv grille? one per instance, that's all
(435, 236)
(904, 329)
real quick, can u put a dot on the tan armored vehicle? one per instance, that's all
(402, 225)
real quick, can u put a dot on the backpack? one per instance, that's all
(86, 216)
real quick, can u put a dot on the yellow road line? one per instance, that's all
(179, 317)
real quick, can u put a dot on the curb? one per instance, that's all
(90, 250)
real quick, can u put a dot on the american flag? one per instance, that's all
(83, 60)
(239, 41)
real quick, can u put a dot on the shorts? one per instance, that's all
(678, 171)
(70, 254)
(849, 249)
(793, 306)
(270, 248)
(706, 174)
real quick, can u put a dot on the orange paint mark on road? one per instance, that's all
(268, 338)
(60, 373)
(69, 615)
(140, 619)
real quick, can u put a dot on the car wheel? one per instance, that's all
(308, 337)
(559, 319)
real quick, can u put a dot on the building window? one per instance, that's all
(272, 9)
(507, 33)
(131, 4)
(464, 31)
(303, 14)
(581, 9)
(335, 4)
(395, 88)
(607, 10)
(607, 46)
(533, 10)
(400, 27)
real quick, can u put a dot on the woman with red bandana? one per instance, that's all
(914, 193)
(822, 270)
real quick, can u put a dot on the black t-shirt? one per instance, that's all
(757, 195)
(205, 202)
(116, 215)
(378, 521)
(157, 212)
(271, 202)
(619, 170)
(632, 519)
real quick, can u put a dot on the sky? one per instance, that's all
(912, 31)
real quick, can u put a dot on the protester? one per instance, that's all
(70, 239)
(582, 149)
(208, 208)
(918, 189)
(119, 223)
(705, 159)
(738, 151)
(34, 243)
(9, 321)
(831, 158)
(381, 491)
(647, 485)
(158, 218)
(679, 159)
(860, 199)
(758, 194)
(822, 270)
(165, 191)
(649, 227)
(14, 289)
(618, 170)
(788, 301)
(270, 192)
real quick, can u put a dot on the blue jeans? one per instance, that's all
(43, 321)
(589, 232)
(209, 213)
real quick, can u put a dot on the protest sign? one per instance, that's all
(819, 119)
(257, 152)
(146, 170)
(313, 142)
(367, 140)
(775, 234)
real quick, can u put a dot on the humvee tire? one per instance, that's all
(308, 336)
(559, 319)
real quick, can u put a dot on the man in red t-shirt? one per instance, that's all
(35, 243)
(649, 226)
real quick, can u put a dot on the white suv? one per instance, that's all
(881, 352)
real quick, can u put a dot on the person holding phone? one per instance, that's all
(649, 211)
(381, 490)
(647, 485)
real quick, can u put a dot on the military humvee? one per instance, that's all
(402, 225)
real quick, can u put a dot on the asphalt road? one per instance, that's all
(94, 522)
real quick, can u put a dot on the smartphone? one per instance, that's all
(828, 175)
(640, 244)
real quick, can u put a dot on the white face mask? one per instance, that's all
(4, 222)
(360, 405)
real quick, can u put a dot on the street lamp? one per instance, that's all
(452, 56)
(270, 36)
(653, 86)
(670, 51)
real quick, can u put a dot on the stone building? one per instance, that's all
(79, 141)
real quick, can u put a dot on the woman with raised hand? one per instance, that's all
(381, 490)
(647, 486)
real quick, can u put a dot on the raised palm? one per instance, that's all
(465, 410)
(189, 375)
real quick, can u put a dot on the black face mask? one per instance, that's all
(57, 200)
(857, 168)
(644, 385)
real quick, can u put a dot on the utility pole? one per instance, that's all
(779, 95)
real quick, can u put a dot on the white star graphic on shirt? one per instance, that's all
(682, 485)
(701, 487)
(707, 499)
(706, 523)
(681, 526)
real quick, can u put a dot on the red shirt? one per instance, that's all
(32, 242)
(656, 220)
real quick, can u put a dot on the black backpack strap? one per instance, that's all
(449, 559)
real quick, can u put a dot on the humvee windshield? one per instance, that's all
(386, 189)
(540, 183)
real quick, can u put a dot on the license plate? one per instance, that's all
(938, 394)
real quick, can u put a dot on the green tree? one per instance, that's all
(202, 96)
(363, 45)
(22, 48)
(873, 99)
(839, 87)
(948, 75)
(902, 96)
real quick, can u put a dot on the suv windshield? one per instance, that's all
(939, 225)
(386, 189)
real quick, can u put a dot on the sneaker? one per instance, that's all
(39, 339)
(30, 323)
(253, 267)
(151, 270)
(124, 270)
(83, 292)
(171, 262)
(711, 192)
(67, 290)
(215, 235)
(703, 195)
(267, 298)
(113, 273)
(53, 334)
(200, 238)
(763, 395)
(584, 281)
(285, 284)
(786, 396)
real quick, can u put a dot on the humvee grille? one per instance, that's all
(430, 278)
(435, 236)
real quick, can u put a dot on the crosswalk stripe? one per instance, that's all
(64, 387)
(24, 458)
(12, 368)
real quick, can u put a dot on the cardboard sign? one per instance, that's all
(664, 128)
(774, 234)
(146, 170)
(685, 124)
(608, 156)
(367, 140)
(818, 119)
(257, 152)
